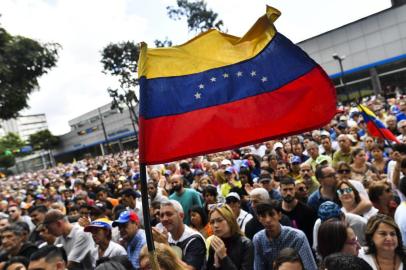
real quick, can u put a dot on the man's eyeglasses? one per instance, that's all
(343, 191)
(302, 189)
(344, 171)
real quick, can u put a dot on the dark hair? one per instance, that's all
(402, 185)
(39, 208)
(377, 146)
(185, 166)
(16, 259)
(211, 190)
(110, 265)
(49, 253)
(267, 208)
(287, 255)
(155, 205)
(344, 262)
(372, 226)
(319, 172)
(400, 147)
(356, 193)
(122, 259)
(24, 226)
(201, 212)
(356, 151)
(17, 230)
(331, 237)
(376, 189)
(287, 181)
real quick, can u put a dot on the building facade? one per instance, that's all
(372, 51)
(100, 131)
(24, 125)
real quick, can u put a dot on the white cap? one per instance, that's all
(226, 162)
(277, 145)
(233, 195)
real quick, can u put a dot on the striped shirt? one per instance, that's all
(266, 250)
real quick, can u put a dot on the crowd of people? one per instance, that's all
(331, 198)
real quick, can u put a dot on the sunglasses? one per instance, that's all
(344, 171)
(302, 189)
(343, 191)
(215, 205)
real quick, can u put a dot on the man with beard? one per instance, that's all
(185, 196)
(307, 175)
(129, 199)
(129, 226)
(301, 215)
(37, 214)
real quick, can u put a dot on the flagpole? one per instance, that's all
(147, 220)
(376, 126)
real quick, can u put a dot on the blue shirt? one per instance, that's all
(267, 250)
(134, 248)
(315, 200)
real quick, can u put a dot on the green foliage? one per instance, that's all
(43, 140)
(163, 43)
(199, 17)
(22, 62)
(9, 144)
(121, 60)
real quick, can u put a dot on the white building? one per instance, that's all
(24, 125)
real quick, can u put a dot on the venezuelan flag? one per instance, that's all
(218, 91)
(375, 127)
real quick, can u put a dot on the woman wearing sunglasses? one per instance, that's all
(384, 244)
(349, 198)
(229, 249)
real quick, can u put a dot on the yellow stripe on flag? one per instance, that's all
(211, 49)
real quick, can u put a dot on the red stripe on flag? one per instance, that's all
(299, 106)
(384, 133)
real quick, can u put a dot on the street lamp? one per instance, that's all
(340, 60)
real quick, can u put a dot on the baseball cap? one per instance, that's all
(277, 145)
(325, 133)
(265, 177)
(233, 195)
(229, 170)
(295, 159)
(130, 192)
(103, 223)
(320, 159)
(226, 162)
(126, 217)
(329, 210)
(199, 172)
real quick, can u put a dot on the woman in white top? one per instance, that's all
(350, 198)
(384, 249)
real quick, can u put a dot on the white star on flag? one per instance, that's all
(225, 75)
(198, 95)
(253, 73)
(213, 79)
(201, 86)
(264, 79)
(239, 74)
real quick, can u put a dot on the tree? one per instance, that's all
(199, 17)
(43, 140)
(10, 147)
(22, 62)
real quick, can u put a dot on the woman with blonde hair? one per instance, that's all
(228, 248)
(167, 258)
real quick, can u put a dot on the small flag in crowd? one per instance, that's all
(375, 127)
(218, 91)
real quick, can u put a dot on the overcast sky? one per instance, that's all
(83, 27)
